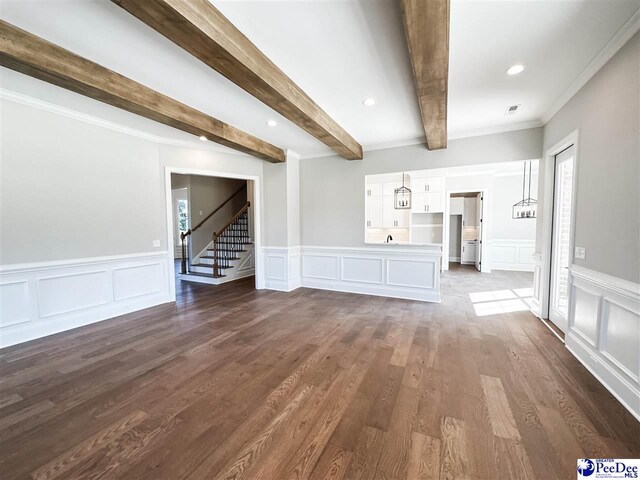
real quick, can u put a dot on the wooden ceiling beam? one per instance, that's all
(202, 30)
(36, 57)
(426, 25)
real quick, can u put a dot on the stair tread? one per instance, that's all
(208, 265)
(208, 275)
(210, 257)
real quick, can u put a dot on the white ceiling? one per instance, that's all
(339, 52)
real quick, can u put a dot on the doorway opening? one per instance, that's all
(213, 228)
(466, 219)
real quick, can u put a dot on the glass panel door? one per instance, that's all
(561, 238)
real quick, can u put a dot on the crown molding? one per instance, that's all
(117, 127)
(479, 132)
(452, 136)
(622, 36)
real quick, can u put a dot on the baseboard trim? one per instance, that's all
(622, 390)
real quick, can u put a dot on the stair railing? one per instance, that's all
(223, 231)
(183, 235)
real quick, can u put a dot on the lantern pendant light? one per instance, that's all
(527, 207)
(402, 197)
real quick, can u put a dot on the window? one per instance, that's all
(183, 216)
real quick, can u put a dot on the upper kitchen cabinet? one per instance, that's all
(427, 195)
(427, 185)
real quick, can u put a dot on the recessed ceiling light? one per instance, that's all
(369, 102)
(272, 123)
(515, 70)
(203, 138)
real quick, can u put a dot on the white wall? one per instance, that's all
(331, 189)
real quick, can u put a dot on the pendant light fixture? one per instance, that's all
(402, 197)
(527, 207)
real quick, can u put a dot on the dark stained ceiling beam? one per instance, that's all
(202, 30)
(426, 25)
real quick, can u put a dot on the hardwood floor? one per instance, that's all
(236, 383)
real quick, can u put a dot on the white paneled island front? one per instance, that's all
(390, 270)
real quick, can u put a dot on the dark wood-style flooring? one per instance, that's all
(236, 383)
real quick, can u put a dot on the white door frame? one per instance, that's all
(547, 221)
(486, 221)
(257, 216)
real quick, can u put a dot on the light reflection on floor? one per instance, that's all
(501, 301)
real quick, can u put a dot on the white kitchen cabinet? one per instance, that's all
(374, 189)
(456, 207)
(427, 184)
(469, 252)
(374, 212)
(435, 202)
(432, 202)
(393, 218)
(388, 188)
(470, 212)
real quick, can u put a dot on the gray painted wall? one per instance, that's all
(606, 111)
(70, 189)
(455, 236)
(332, 189)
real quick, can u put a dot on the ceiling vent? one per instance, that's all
(512, 109)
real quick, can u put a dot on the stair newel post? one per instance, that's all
(183, 262)
(215, 255)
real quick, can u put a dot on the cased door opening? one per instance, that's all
(465, 229)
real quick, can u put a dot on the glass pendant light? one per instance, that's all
(402, 197)
(527, 207)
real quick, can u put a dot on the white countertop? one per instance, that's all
(405, 244)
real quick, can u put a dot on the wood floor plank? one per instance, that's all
(424, 458)
(500, 415)
(239, 383)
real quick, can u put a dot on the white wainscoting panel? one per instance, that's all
(323, 267)
(71, 292)
(14, 303)
(137, 280)
(411, 273)
(282, 268)
(364, 270)
(512, 255)
(40, 299)
(604, 332)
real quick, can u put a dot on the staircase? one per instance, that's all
(229, 256)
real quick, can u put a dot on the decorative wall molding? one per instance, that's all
(401, 273)
(40, 299)
(604, 332)
(512, 255)
(282, 268)
(621, 37)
